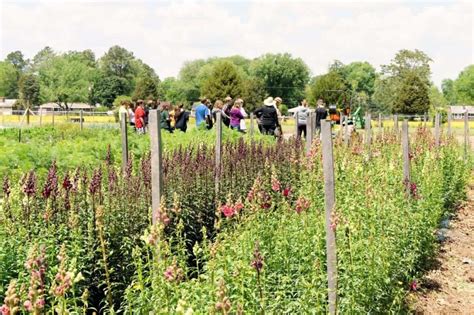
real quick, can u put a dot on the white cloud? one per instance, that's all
(165, 34)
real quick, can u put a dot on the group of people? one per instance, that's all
(171, 117)
(232, 112)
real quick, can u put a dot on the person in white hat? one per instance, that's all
(268, 116)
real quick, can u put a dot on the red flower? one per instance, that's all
(286, 192)
(413, 285)
(302, 204)
(227, 210)
(265, 205)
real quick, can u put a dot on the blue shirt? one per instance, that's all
(201, 112)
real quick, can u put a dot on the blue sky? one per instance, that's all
(166, 34)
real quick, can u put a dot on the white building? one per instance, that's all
(457, 112)
(6, 106)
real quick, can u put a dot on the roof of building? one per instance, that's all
(461, 109)
(7, 102)
(71, 105)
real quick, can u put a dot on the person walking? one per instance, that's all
(236, 116)
(131, 114)
(165, 120)
(226, 108)
(243, 125)
(201, 112)
(321, 114)
(181, 117)
(140, 117)
(268, 116)
(302, 114)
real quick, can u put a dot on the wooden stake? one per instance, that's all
(466, 135)
(437, 135)
(252, 124)
(28, 116)
(449, 122)
(218, 153)
(329, 198)
(124, 133)
(424, 120)
(81, 119)
(309, 131)
(296, 124)
(53, 118)
(395, 123)
(406, 155)
(156, 163)
(342, 117)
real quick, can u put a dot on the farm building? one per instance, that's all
(458, 111)
(49, 107)
(6, 105)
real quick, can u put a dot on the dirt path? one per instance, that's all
(449, 287)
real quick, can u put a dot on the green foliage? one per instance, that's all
(412, 96)
(119, 99)
(254, 93)
(17, 59)
(146, 88)
(464, 86)
(330, 87)
(29, 89)
(118, 62)
(173, 90)
(447, 86)
(43, 57)
(224, 80)
(65, 79)
(361, 77)
(106, 89)
(437, 99)
(283, 76)
(8, 80)
(283, 109)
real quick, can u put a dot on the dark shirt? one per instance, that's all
(321, 114)
(267, 115)
(182, 121)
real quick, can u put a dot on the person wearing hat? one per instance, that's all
(268, 116)
(226, 108)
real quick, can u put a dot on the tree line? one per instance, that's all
(401, 86)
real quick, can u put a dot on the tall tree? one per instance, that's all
(173, 90)
(254, 93)
(17, 59)
(65, 79)
(8, 80)
(383, 97)
(224, 80)
(360, 76)
(145, 88)
(118, 62)
(283, 76)
(29, 90)
(43, 57)
(412, 96)
(407, 61)
(464, 86)
(106, 89)
(437, 99)
(330, 87)
(447, 86)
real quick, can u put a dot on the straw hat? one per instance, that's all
(269, 101)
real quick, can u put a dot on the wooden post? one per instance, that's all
(329, 198)
(296, 124)
(368, 130)
(156, 163)
(309, 131)
(19, 134)
(342, 117)
(449, 122)
(437, 135)
(81, 119)
(466, 135)
(406, 155)
(40, 114)
(395, 123)
(53, 118)
(124, 133)
(218, 153)
(346, 132)
(28, 116)
(424, 120)
(252, 124)
(380, 122)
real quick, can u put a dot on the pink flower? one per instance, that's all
(4, 310)
(286, 192)
(413, 285)
(238, 206)
(40, 303)
(302, 204)
(28, 305)
(227, 210)
(169, 273)
(265, 205)
(276, 186)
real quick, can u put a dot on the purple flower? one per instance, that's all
(6, 187)
(29, 187)
(257, 261)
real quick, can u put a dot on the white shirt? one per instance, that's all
(242, 121)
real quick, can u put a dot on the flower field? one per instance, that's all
(76, 237)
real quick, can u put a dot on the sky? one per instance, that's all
(165, 34)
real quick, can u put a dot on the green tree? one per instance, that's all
(65, 79)
(17, 59)
(383, 97)
(173, 90)
(118, 100)
(464, 86)
(43, 57)
(283, 76)
(407, 61)
(224, 80)
(437, 98)
(145, 88)
(119, 62)
(360, 77)
(29, 90)
(330, 87)
(447, 86)
(106, 89)
(412, 96)
(254, 93)
(8, 80)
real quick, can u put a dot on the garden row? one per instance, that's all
(76, 240)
